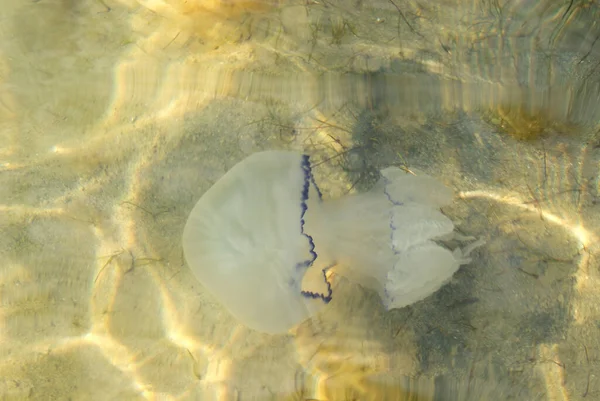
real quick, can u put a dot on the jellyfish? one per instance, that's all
(262, 240)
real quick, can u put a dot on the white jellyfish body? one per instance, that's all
(261, 239)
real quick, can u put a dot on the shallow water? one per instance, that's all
(116, 116)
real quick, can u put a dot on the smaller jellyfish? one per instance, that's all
(262, 239)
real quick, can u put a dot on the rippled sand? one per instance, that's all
(116, 116)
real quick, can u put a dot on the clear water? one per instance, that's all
(116, 116)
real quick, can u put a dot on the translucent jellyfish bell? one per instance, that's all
(261, 240)
(245, 242)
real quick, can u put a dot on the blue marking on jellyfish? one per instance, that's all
(312, 180)
(393, 227)
(309, 179)
(387, 194)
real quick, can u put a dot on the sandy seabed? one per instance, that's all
(116, 116)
